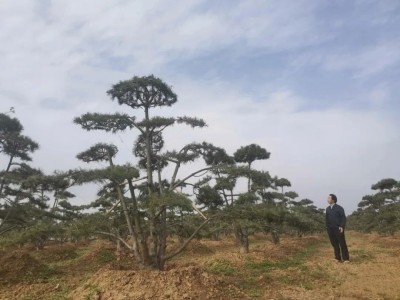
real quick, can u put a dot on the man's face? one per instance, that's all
(330, 200)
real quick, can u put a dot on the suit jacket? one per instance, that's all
(335, 216)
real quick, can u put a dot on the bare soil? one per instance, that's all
(297, 268)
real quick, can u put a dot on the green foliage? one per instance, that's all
(209, 197)
(107, 122)
(116, 174)
(37, 234)
(260, 180)
(221, 266)
(192, 122)
(249, 154)
(170, 200)
(211, 154)
(384, 184)
(247, 199)
(25, 192)
(143, 92)
(12, 142)
(261, 207)
(151, 206)
(8, 126)
(105, 256)
(282, 182)
(85, 226)
(380, 211)
(98, 152)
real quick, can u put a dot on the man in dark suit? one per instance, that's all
(335, 225)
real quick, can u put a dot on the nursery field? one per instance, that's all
(297, 268)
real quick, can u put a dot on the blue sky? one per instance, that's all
(314, 82)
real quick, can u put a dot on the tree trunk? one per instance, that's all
(118, 251)
(139, 232)
(160, 262)
(275, 237)
(242, 238)
(148, 151)
(2, 187)
(5, 173)
(152, 217)
(249, 181)
(129, 223)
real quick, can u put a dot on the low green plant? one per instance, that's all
(221, 266)
(93, 290)
(296, 260)
(359, 255)
(255, 293)
(105, 256)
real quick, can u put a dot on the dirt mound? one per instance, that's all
(103, 254)
(57, 253)
(182, 283)
(20, 266)
(198, 247)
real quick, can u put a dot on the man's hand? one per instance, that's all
(341, 229)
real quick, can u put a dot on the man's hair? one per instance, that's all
(334, 198)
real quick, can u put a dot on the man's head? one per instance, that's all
(332, 199)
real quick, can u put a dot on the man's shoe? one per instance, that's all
(346, 261)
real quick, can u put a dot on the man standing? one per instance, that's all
(335, 224)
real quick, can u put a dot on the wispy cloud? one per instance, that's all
(255, 70)
(367, 61)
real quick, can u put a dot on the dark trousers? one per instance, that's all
(338, 242)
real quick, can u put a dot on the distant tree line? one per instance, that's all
(380, 211)
(143, 202)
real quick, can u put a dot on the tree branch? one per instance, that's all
(184, 245)
(113, 207)
(199, 211)
(139, 179)
(172, 187)
(170, 159)
(116, 237)
(8, 229)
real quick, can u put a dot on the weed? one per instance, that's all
(105, 256)
(296, 260)
(255, 293)
(62, 294)
(307, 286)
(264, 265)
(221, 266)
(359, 255)
(318, 272)
(93, 291)
(246, 283)
(286, 279)
(42, 276)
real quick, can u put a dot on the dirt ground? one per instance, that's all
(294, 269)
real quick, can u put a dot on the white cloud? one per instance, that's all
(362, 62)
(58, 61)
(321, 151)
(379, 96)
(367, 61)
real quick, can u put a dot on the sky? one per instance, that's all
(314, 82)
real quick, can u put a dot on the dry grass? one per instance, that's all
(294, 269)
